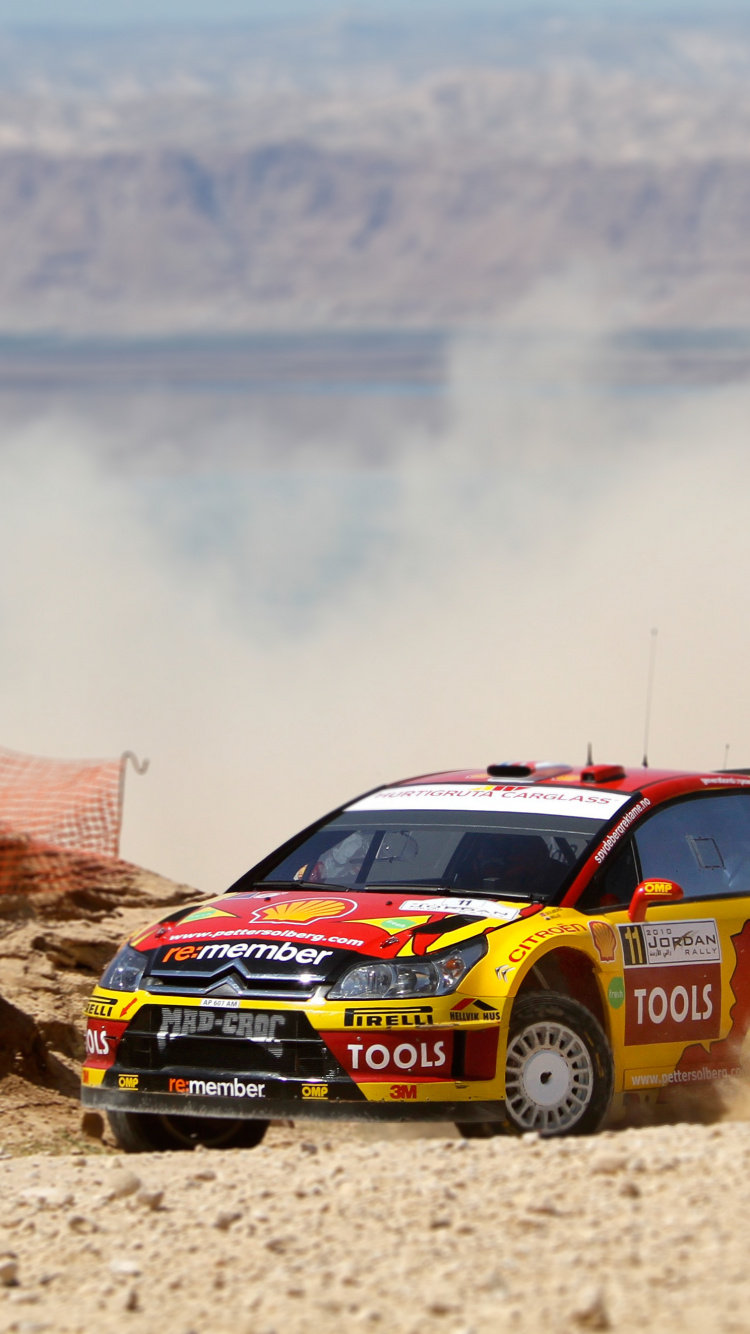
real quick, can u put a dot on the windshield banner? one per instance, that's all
(497, 797)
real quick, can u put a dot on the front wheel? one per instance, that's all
(145, 1132)
(559, 1073)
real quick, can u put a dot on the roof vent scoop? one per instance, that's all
(539, 771)
(602, 773)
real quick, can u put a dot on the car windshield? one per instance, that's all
(507, 855)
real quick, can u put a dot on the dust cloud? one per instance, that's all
(279, 628)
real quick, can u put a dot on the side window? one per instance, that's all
(613, 885)
(703, 843)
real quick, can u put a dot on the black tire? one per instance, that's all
(145, 1132)
(559, 1072)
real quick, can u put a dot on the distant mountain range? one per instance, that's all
(544, 190)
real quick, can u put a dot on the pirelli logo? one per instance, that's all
(406, 1016)
(100, 1009)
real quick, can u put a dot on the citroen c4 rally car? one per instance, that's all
(521, 948)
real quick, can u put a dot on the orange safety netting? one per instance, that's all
(75, 804)
(28, 866)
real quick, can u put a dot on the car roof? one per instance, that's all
(607, 777)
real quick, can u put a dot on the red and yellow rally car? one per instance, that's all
(525, 947)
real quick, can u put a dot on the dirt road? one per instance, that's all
(324, 1230)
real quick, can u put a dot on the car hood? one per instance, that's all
(382, 924)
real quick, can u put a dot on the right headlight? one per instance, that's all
(125, 971)
(397, 979)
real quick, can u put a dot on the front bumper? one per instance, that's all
(255, 1062)
(293, 1108)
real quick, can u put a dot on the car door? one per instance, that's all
(681, 1009)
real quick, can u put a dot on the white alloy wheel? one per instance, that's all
(549, 1077)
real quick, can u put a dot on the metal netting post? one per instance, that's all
(140, 768)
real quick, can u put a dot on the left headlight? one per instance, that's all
(398, 979)
(125, 971)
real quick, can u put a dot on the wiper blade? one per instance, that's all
(270, 884)
(453, 893)
(388, 885)
(300, 884)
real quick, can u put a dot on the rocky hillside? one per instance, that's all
(444, 199)
(62, 918)
(292, 234)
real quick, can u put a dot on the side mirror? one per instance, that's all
(649, 893)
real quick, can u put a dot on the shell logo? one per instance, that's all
(605, 941)
(304, 910)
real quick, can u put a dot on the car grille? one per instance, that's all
(255, 979)
(158, 1039)
(261, 986)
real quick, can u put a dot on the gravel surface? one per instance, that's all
(331, 1229)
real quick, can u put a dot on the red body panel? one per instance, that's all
(366, 923)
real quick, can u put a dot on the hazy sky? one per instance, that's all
(184, 12)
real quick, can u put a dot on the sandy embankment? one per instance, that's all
(62, 918)
(644, 1229)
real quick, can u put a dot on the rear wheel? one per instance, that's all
(145, 1132)
(559, 1072)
